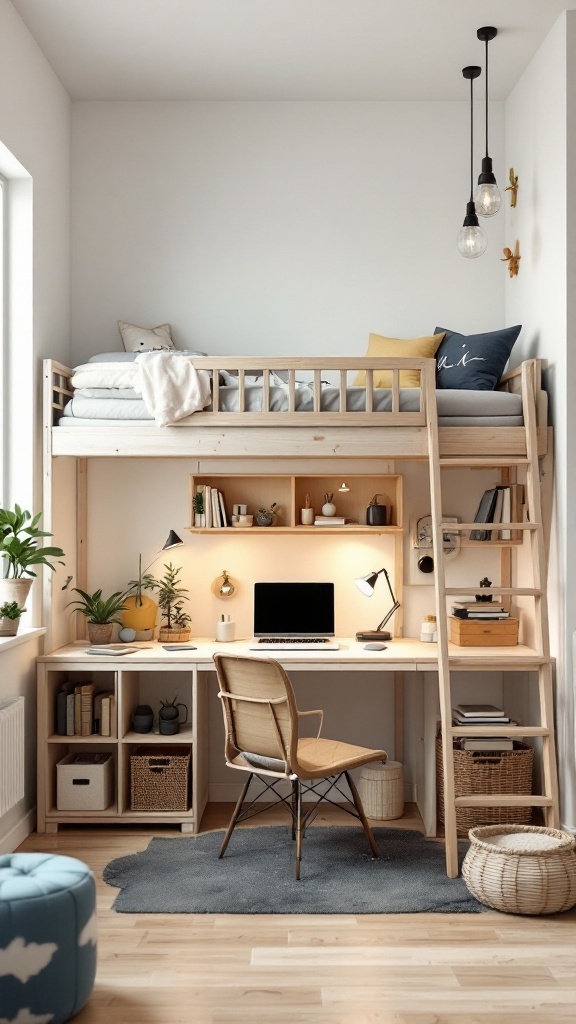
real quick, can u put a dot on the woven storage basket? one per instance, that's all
(382, 790)
(521, 869)
(477, 772)
(159, 779)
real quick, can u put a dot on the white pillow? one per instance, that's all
(145, 339)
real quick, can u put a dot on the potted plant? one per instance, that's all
(10, 614)
(171, 599)
(21, 548)
(100, 612)
(140, 611)
(198, 509)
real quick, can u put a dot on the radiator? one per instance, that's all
(11, 753)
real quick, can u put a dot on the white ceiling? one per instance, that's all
(284, 49)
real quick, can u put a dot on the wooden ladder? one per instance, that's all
(541, 661)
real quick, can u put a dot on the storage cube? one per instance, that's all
(483, 633)
(85, 782)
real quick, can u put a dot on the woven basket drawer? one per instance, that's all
(160, 779)
(475, 772)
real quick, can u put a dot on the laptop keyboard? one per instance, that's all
(294, 643)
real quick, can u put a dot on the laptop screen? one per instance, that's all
(293, 609)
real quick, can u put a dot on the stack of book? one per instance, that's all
(482, 714)
(502, 504)
(332, 521)
(214, 514)
(81, 710)
(479, 610)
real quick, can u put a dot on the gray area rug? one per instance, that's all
(184, 876)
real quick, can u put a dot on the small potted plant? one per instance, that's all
(266, 516)
(100, 612)
(140, 611)
(21, 547)
(198, 509)
(171, 597)
(10, 618)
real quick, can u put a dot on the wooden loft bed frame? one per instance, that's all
(369, 434)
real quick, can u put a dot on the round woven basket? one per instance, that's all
(521, 869)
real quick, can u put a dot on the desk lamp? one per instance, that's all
(366, 584)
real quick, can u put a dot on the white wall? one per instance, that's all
(291, 227)
(540, 124)
(35, 131)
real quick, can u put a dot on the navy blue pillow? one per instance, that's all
(473, 362)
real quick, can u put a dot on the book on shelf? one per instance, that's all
(66, 689)
(470, 603)
(486, 710)
(70, 709)
(485, 513)
(215, 508)
(480, 720)
(490, 743)
(107, 719)
(330, 521)
(223, 515)
(506, 512)
(480, 613)
(207, 505)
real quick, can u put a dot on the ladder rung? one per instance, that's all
(500, 730)
(521, 591)
(457, 461)
(503, 800)
(465, 527)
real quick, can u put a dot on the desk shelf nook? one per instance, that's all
(223, 447)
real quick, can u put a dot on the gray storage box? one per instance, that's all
(85, 782)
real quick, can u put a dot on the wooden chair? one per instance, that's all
(261, 722)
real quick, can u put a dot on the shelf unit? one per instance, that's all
(289, 491)
(131, 687)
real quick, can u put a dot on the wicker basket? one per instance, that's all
(477, 772)
(159, 779)
(521, 869)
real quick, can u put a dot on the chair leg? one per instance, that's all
(235, 816)
(294, 807)
(298, 789)
(361, 814)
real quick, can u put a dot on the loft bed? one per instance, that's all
(262, 416)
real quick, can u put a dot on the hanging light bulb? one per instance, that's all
(487, 198)
(471, 239)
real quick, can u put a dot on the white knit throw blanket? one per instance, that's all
(170, 386)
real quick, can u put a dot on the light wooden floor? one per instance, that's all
(486, 968)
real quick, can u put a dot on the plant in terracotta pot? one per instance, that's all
(100, 612)
(10, 618)
(171, 597)
(21, 547)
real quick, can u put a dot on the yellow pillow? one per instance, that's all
(379, 346)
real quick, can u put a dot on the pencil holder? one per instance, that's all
(225, 631)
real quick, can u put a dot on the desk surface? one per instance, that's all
(401, 655)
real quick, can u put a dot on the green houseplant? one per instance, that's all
(10, 614)
(21, 547)
(171, 597)
(101, 613)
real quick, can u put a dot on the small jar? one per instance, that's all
(429, 630)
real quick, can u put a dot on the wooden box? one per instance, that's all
(483, 632)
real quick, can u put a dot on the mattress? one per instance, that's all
(455, 408)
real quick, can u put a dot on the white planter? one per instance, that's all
(8, 627)
(15, 590)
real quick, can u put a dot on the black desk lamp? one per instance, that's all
(366, 584)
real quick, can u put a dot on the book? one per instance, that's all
(208, 505)
(485, 514)
(97, 710)
(329, 521)
(472, 604)
(464, 613)
(70, 705)
(77, 711)
(112, 651)
(62, 708)
(506, 512)
(215, 508)
(497, 517)
(223, 515)
(460, 720)
(107, 715)
(86, 708)
(494, 743)
(486, 710)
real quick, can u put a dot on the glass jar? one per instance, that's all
(429, 630)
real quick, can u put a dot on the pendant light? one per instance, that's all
(471, 239)
(487, 198)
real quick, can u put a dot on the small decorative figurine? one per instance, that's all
(484, 583)
(512, 259)
(512, 187)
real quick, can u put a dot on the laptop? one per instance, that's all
(294, 617)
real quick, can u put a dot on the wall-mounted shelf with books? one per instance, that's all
(288, 494)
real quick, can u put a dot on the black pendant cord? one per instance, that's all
(471, 139)
(486, 43)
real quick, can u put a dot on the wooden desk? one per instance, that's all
(131, 677)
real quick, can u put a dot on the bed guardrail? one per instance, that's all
(339, 370)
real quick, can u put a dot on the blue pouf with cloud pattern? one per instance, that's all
(47, 937)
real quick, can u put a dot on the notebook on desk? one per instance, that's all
(294, 617)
